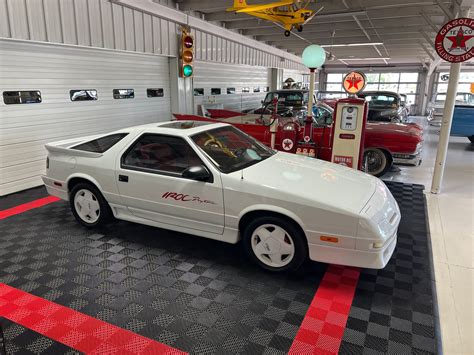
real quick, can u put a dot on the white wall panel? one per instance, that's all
(129, 28)
(164, 26)
(148, 33)
(208, 75)
(95, 23)
(156, 25)
(119, 26)
(82, 22)
(107, 24)
(68, 21)
(138, 30)
(37, 28)
(18, 19)
(4, 20)
(54, 70)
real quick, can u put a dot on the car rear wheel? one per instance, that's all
(471, 138)
(89, 206)
(376, 161)
(275, 244)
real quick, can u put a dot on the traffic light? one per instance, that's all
(186, 54)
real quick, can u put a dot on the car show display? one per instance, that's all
(214, 181)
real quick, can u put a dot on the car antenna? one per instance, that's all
(242, 174)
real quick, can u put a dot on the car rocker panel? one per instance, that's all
(285, 207)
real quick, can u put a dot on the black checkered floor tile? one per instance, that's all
(22, 341)
(203, 296)
(393, 311)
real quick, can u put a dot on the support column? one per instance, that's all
(446, 128)
(276, 79)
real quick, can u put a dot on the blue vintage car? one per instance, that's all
(463, 122)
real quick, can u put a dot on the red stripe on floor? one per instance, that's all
(74, 329)
(27, 206)
(323, 326)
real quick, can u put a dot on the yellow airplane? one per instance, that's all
(286, 14)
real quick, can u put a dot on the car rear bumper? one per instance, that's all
(56, 188)
(373, 259)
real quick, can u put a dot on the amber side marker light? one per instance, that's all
(326, 238)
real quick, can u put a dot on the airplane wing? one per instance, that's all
(253, 8)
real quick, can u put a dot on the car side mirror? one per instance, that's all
(198, 172)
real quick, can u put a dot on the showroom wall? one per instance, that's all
(234, 87)
(54, 71)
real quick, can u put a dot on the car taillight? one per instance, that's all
(47, 162)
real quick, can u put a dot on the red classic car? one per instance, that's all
(385, 143)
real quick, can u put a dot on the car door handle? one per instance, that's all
(123, 178)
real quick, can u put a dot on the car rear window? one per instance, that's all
(102, 144)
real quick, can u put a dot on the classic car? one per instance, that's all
(384, 106)
(330, 97)
(385, 143)
(463, 122)
(435, 107)
(214, 181)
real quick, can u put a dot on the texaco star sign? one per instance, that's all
(455, 40)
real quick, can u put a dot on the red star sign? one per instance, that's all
(354, 82)
(459, 41)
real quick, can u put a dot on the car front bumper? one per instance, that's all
(407, 159)
(373, 259)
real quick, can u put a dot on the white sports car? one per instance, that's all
(214, 181)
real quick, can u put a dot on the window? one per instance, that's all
(464, 86)
(21, 97)
(155, 92)
(257, 89)
(245, 90)
(160, 154)
(215, 91)
(101, 144)
(124, 93)
(288, 98)
(83, 95)
(231, 90)
(230, 149)
(199, 92)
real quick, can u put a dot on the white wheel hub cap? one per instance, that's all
(87, 206)
(272, 245)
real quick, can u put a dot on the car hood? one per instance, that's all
(409, 129)
(311, 182)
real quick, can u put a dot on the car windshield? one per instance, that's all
(462, 98)
(376, 100)
(290, 98)
(321, 95)
(230, 149)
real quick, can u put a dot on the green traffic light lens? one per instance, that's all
(187, 70)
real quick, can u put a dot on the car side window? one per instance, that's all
(160, 154)
(322, 116)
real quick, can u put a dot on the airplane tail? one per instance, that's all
(238, 4)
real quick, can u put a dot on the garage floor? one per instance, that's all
(199, 295)
(451, 216)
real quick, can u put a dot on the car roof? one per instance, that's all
(176, 128)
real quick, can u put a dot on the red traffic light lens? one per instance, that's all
(188, 41)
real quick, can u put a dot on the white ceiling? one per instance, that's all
(406, 28)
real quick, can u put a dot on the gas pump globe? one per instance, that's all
(313, 57)
(348, 129)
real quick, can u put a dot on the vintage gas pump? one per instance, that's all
(350, 117)
(274, 122)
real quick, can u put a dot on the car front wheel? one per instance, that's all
(275, 244)
(88, 205)
(376, 161)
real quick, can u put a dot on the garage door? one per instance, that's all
(68, 79)
(234, 87)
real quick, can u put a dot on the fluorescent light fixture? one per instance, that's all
(376, 58)
(353, 44)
